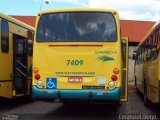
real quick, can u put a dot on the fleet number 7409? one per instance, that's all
(75, 62)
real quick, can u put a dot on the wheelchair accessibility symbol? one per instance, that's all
(51, 83)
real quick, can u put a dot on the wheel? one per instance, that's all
(135, 82)
(138, 92)
(146, 101)
(119, 104)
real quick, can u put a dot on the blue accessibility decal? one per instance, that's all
(51, 83)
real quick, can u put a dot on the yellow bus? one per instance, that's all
(79, 54)
(15, 57)
(147, 66)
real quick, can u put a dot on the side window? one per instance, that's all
(30, 43)
(143, 53)
(158, 40)
(154, 39)
(4, 36)
(138, 57)
(158, 36)
(30, 47)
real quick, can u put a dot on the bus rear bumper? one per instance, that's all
(111, 95)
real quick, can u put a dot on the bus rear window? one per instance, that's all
(77, 27)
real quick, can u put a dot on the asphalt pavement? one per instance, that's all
(22, 109)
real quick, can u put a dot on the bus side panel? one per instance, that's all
(6, 66)
(159, 89)
(29, 79)
(6, 89)
(29, 86)
(151, 76)
(139, 77)
(159, 76)
(124, 84)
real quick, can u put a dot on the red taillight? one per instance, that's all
(37, 76)
(114, 77)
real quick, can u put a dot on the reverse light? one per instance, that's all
(111, 84)
(116, 71)
(37, 76)
(35, 70)
(40, 83)
(114, 77)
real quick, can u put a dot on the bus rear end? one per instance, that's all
(77, 56)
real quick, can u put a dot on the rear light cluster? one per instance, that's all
(37, 76)
(115, 72)
(114, 77)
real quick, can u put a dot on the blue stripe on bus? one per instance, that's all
(113, 95)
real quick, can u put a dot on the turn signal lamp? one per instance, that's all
(116, 71)
(35, 70)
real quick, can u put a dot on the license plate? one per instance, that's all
(92, 87)
(75, 80)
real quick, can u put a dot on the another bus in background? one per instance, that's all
(147, 66)
(16, 39)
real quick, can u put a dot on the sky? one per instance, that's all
(143, 10)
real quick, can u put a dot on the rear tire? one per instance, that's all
(138, 92)
(135, 82)
(119, 104)
(146, 101)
